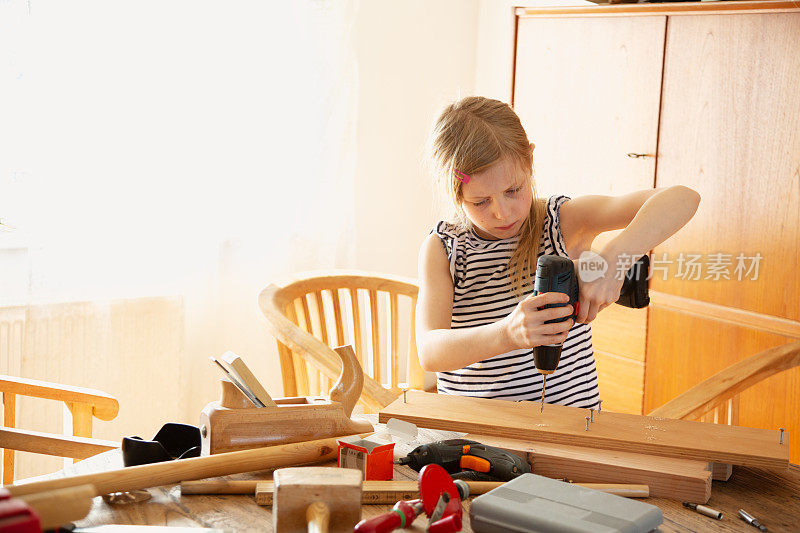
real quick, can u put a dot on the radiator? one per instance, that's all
(132, 349)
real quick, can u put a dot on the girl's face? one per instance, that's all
(498, 200)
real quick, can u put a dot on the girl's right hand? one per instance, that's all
(526, 328)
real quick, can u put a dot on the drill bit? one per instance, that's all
(544, 384)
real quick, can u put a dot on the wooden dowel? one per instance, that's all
(61, 506)
(380, 492)
(153, 475)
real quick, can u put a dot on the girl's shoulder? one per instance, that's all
(448, 230)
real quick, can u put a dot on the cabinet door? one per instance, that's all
(587, 91)
(730, 129)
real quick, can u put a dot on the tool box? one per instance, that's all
(536, 503)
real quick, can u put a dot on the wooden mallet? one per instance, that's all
(316, 499)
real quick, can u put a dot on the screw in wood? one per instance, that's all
(404, 395)
(587, 423)
(782, 430)
(591, 415)
(599, 406)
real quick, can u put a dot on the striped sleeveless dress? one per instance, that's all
(483, 294)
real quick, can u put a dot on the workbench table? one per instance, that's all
(772, 497)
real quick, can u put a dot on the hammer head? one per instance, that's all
(297, 488)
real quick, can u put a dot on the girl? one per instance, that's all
(477, 319)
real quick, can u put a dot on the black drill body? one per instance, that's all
(457, 455)
(557, 274)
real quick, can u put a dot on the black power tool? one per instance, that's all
(468, 460)
(557, 274)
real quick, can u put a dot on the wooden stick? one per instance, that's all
(667, 477)
(389, 492)
(153, 475)
(61, 506)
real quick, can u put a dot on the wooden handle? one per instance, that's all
(62, 506)
(153, 475)
(348, 387)
(318, 516)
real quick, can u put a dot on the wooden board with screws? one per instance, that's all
(611, 431)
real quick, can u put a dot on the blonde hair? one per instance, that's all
(469, 136)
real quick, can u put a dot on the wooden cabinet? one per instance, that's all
(710, 94)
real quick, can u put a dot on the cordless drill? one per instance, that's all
(468, 459)
(557, 274)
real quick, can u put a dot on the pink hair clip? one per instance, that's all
(460, 176)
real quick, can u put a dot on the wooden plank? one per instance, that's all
(667, 477)
(383, 492)
(611, 431)
(50, 444)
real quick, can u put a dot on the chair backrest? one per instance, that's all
(372, 312)
(84, 404)
(716, 399)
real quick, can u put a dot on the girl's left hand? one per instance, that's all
(594, 296)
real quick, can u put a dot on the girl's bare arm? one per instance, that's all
(649, 217)
(443, 349)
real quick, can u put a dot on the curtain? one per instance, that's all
(160, 163)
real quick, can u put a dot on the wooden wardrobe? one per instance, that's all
(707, 95)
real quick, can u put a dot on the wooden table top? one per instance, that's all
(772, 497)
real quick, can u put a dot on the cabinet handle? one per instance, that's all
(635, 155)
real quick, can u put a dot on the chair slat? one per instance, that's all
(308, 326)
(735, 410)
(300, 370)
(375, 330)
(323, 324)
(337, 317)
(416, 375)
(287, 370)
(394, 356)
(354, 308)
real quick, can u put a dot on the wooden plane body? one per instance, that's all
(228, 426)
(235, 423)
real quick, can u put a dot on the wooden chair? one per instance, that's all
(83, 403)
(310, 313)
(717, 398)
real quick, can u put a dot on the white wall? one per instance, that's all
(414, 58)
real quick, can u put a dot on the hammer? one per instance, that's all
(311, 498)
